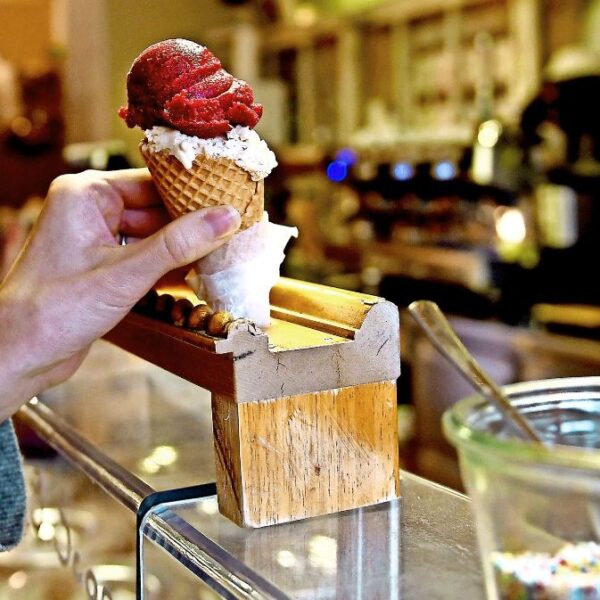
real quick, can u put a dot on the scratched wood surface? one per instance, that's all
(298, 456)
(290, 359)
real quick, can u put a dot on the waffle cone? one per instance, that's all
(210, 182)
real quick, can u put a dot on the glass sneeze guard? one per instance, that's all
(122, 437)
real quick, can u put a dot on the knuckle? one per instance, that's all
(66, 186)
(62, 184)
(96, 187)
(77, 187)
(61, 192)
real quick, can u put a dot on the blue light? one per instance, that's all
(347, 156)
(444, 170)
(337, 170)
(402, 171)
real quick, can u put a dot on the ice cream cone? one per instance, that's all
(210, 182)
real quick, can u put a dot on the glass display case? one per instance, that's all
(126, 494)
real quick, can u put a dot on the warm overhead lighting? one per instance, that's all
(286, 559)
(164, 455)
(209, 506)
(47, 518)
(305, 15)
(322, 553)
(365, 170)
(161, 456)
(17, 580)
(510, 225)
(114, 573)
(46, 531)
(99, 159)
(489, 133)
(21, 126)
(149, 466)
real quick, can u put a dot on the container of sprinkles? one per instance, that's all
(572, 573)
(537, 507)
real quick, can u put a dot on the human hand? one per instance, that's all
(73, 281)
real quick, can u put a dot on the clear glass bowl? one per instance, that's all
(537, 510)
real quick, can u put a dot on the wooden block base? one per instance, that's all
(311, 454)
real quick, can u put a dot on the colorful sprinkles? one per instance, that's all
(573, 573)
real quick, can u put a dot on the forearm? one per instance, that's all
(31, 356)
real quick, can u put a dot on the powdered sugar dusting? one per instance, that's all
(242, 145)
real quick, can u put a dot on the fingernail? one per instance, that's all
(223, 220)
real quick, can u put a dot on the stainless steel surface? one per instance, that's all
(440, 557)
(437, 328)
(420, 546)
(133, 429)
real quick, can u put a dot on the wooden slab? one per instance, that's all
(320, 339)
(305, 455)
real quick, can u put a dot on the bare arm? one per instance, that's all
(73, 282)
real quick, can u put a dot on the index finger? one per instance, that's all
(134, 186)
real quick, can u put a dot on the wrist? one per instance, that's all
(19, 368)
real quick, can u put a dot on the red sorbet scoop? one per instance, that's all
(181, 84)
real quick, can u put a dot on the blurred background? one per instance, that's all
(441, 149)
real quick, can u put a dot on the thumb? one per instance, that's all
(181, 242)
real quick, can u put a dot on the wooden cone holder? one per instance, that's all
(304, 414)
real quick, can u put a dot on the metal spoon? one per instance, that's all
(437, 328)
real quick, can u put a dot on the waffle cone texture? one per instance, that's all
(210, 182)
